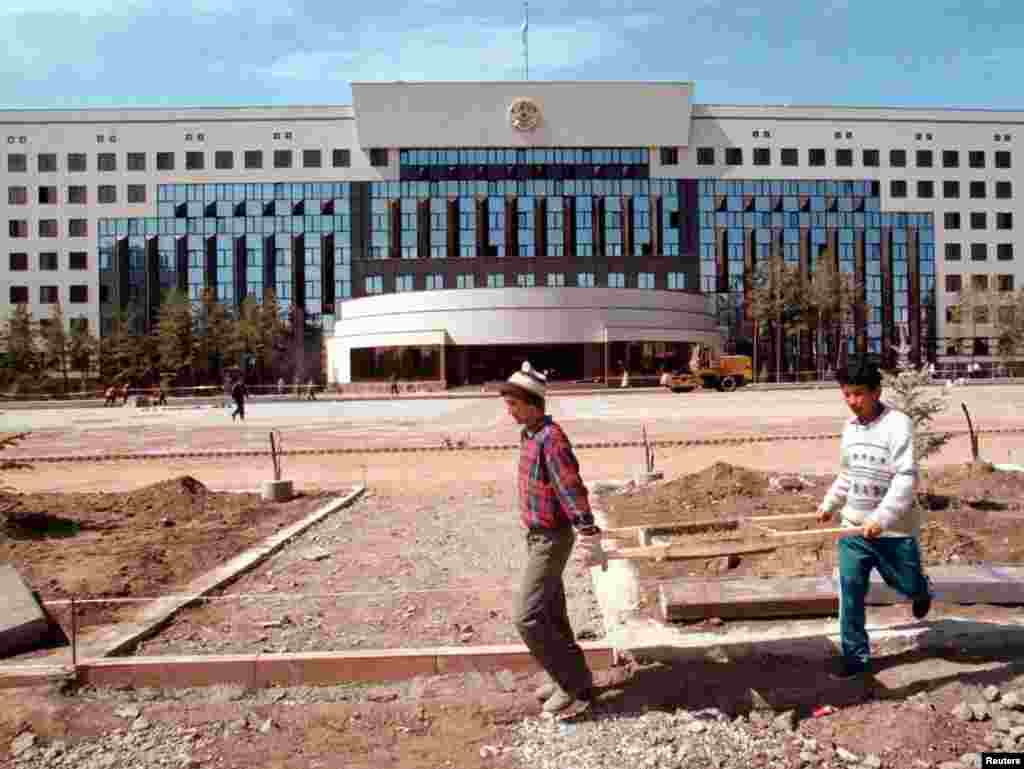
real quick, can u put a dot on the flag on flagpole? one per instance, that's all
(525, 29)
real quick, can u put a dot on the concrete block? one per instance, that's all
(170, 671)
(23, 623)
(330, 668)
(963, 584)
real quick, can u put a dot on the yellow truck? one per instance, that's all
(709, 369)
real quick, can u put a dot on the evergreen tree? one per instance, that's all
(175, 336)
(273, 332)
(118, 349)
(56, 344)
(84, 348)
(910, 390)
(20, 343)
(213, 330)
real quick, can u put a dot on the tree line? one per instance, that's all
(192, 343)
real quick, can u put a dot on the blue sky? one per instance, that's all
(77, 53)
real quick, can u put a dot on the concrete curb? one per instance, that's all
(118, 640)
(686, 443)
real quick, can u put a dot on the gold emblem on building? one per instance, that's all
(524, 114)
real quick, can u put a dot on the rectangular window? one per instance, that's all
(379, 159)
(77, 162)
(253, 159)
(898, 158)
(435, 281)
(78, 260)
(977, 190)
(979, 252)
(525, 280)
(816, 157)
(556, 279)
(762, 156)
(404, 283)
(17, 163)
(705, 156)
(616, 280)
(871, 158)
(282, 158)
(106, 161)
(950, 159)
(1004, 283)
(311, 159)
(223, 160)
(77, 194)
(136, 193)
(48, 260)
(790, 156)
(165, 161)
(670, 156)
(195, 161)
(951, 220)
(78, 228)
(78, 294)
(136, 161)
(954, 283)
(106, 193)
(645, 280)
(47, 162)
(585, 280)
(1002, 159)
(951, 189)
(1004, 220)
(374, 284)
(19, 295)
(48, 228)
(926, 189)
(925, 158)
(897, 188)
(18, 261)
(954, 252)
(1004, 190)
(979, 282)
(17, 228)
(844, 158)
(1004, 252)
(976, 159)
(495, 280)
(734, 156)
(17, 196)
(341, 158)
(48, 295)
(105, 294)
(676, 281)
(465, 280)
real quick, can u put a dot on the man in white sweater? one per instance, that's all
(875, 493)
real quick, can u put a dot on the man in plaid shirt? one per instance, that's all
(554, 508)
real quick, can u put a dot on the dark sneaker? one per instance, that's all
(848, 671)
(922, 606)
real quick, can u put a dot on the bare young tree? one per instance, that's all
(830, 297)
(776, 297)
(176, 343)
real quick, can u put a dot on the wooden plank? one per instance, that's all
(811, 536)
(747, 598)
(691, 553)
(787, 517)
(672, 527)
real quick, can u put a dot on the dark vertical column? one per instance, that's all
(211, 263)
(269, 265)
(511, 225)
(327, 274)
(454, 227)
(860, 303)
(888, 300)
(152, 284)
(569, 225)
(628, 225)
(597, 226)
(749, 271)
(657, 223)
(395, 228)
(299, 271)
(181, 263)
(689, 216)
(242, 289)
(914, 300)
(721, 258)
(483, 224)
(540, 226)
(423, 224)
(120, 259)
(359, 209)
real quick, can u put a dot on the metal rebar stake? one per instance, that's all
(74, 637)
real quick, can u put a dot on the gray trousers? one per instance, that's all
(541, 616)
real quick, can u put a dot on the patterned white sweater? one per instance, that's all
(877, 475)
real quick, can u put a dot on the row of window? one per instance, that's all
(843, 157)
(508, 156)
(48, 260)
(195, 160)
(1002, 283)
(979, 252)
(50, 294)
(374, 284)
(48, 228)
(977, 190)
(978, 220)
(75, 194)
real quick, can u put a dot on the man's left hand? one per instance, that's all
(872, 530)
(590, 552)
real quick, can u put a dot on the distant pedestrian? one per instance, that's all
(238, 394)
(394, 383)
(552, 502)
(111, 396)
(310, 391)
(124, 394)
(161, 396)
(280, 386)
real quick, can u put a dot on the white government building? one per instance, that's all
(443, 231)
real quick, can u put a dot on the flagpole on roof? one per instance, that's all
(526, 39)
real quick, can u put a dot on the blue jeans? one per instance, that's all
(898, 560)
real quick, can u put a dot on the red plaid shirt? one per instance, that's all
(551, 492)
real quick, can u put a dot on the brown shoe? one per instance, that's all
(558, 701)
